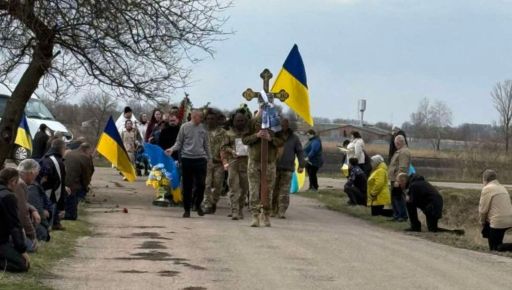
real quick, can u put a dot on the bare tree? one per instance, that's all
(125, 48)
(432, 121)
(439, 121)
(501, 96)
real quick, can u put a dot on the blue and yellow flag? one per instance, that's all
(111, 147)
(292, 78)
(23, 137)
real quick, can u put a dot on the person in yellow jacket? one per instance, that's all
(379, 194)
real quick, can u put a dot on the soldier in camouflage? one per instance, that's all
(215, 170)
(236, 153)
(285, 166)
(253, 140)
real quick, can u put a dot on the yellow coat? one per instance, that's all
(378, 186)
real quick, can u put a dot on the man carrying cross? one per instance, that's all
(263, 144)
(254, 140)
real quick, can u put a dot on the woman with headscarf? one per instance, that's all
(379, 195)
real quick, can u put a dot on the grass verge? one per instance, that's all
(62, 245)
(460, 211)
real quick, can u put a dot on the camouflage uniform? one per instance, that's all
(215, 169)
(237, 173)
(254, 167)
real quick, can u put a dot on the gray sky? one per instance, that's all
(391, 52)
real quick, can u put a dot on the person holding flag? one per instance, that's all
(111, 147)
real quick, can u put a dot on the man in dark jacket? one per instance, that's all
(169, 134)
(356, 185)
(79, 170)
(423, 195)
(285, 167)
(314, 159)
(52, 178)
(40, 144)
(392, 147)
(13, 251)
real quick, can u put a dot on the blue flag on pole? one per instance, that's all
(156, 155)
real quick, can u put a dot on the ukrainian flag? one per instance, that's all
(23, 137)
(111, 147)
(292, 78)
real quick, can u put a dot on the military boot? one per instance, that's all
(255, 221)
(265, 217)
(241, 214)
(234, 215)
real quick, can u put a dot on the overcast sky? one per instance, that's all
(390, 52)
(393, 53)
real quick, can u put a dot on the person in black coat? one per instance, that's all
(52, 178)
(423, 195)
(392, 147)
(40, 144)
(13, 250)
(356, 185)
(169, 134)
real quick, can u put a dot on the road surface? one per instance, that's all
(154, 248)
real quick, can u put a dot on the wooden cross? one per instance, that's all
(249, 95)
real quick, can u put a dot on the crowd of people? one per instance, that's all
(39, 193)
(398, 192)
(216, 153)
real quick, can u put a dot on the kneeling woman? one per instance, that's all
(378, 189)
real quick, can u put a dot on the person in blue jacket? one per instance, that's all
(313, 152)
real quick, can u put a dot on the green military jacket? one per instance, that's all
(254, 142)
(217, 138)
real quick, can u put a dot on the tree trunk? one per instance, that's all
(41, 61)
(507, 138)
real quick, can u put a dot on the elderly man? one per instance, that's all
(194, 146)
(285, 167)
(29, 170)
(28, 214)
(400, 163)
(495, 211)
(392, 147)
(79, 170)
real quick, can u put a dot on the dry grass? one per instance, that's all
(460, 211)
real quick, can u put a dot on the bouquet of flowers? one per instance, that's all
(160, 180)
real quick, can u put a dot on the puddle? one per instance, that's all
(168, 273)
(132, 272)
(148, 245)
(151, 235)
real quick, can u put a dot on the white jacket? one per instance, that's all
(121, 122)
(355, 150)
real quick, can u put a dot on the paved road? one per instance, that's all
(154, 248)
(326, 182)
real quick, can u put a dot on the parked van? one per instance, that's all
(37, 113)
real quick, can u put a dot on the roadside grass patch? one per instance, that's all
(61, 245)
(460, 211)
